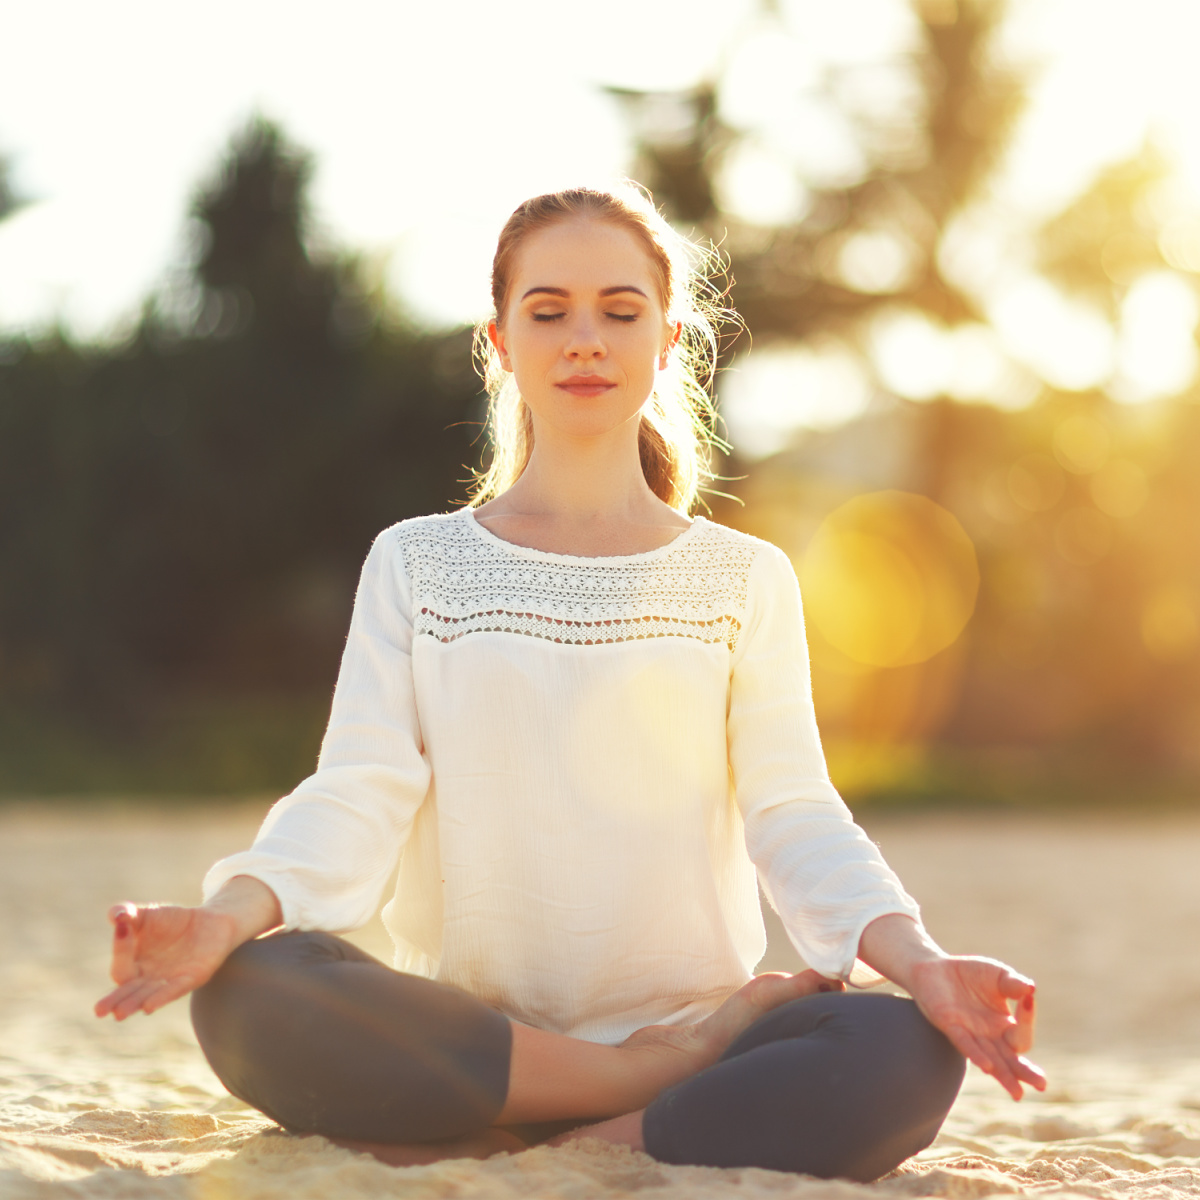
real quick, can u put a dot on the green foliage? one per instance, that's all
(1082, 660)
(254, 262)
(1109, 236)
(10, 199)
(1010, 779)
(190, 746)
(183, 516)
(924, 163)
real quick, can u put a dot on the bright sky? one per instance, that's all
(429, 122)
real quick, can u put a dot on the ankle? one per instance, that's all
(625, 1130)
(664, 1055)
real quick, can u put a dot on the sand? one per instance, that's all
(1104, 912)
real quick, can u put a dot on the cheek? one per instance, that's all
(648, 352)
(529, 346)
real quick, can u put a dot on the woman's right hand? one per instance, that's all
(163, 951)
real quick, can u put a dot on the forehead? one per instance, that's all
(583, 254)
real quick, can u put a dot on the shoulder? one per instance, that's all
(421, 533)
(770, 589)
(432, 525)
(759, 556)
(716, 533)
(753, 576)
(412, 546)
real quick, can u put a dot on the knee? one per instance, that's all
(835, 1086)
(237, 1013)
(325, 1039)
(247, 978)
(911, 1076)
(890, 1041)
(924, 1056)
(887, 1078)
(874, 1031)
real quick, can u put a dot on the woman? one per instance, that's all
(586, 720)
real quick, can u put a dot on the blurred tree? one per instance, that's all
(254, 238)
(1109, 236)
(10, 199)
(924, 161)
(1086, 638)
(184, 515)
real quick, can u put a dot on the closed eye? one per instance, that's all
(629, 317)
(543, 316)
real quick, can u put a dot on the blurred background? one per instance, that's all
(241, 250)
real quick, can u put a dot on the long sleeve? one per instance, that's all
(327, 849)
(820, 871)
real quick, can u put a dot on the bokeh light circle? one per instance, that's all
(890, 579)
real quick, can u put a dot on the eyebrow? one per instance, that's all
(608, 291)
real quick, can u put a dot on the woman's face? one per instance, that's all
(583, 330)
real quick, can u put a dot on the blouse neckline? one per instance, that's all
(603, 559)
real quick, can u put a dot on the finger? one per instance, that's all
(108, 1004)
(1020, 1036)
(1019, 1070)
(170, 989)
(1014, 986)
(1016, 1069)
(104, 1005)
(811, 981)
(1031, 1073)
(984, 1055)
(130, 912)
(127, 922)
(136, 999)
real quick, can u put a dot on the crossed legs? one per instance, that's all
(325, 1039)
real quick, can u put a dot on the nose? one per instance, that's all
(584, 340)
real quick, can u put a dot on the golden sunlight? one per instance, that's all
(890, 579)
(1170, 628)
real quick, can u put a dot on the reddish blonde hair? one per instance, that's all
(677, 428)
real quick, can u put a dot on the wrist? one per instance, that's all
(899, 948)
(247, 907)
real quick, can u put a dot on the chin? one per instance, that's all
(585, 424)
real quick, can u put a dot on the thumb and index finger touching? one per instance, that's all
(143, 977)
(127, 921)
(1013, 985)
(1017, 1039)
(973, 1024)
(126, 913)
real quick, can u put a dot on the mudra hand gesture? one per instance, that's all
(163, 951)
(967, 998)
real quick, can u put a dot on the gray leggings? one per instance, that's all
(326, 1039)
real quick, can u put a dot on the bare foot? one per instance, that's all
(697, 1046)
(682, 1051)
(415, 1154)
(620, 1131)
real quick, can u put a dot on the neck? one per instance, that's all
(589, 481)
(584, 496)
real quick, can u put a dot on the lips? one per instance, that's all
(586, 385)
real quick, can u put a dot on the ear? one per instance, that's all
(499, 344)
(674, 333)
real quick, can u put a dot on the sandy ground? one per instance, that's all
(1104, 912)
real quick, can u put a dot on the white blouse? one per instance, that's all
(580, 762)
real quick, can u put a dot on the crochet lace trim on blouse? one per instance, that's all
(466, 580)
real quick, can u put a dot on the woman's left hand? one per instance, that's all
(968, 999)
